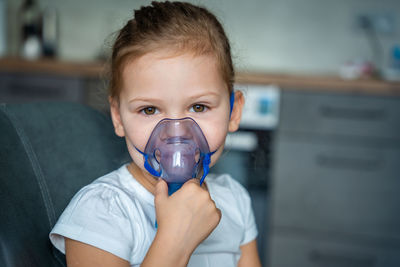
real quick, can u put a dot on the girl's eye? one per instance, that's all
(149, 110)
(198, 108)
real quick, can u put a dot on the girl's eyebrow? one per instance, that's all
(144, 99)
(208, 93)
(192, 97)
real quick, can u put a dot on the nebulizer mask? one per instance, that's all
(177, 151)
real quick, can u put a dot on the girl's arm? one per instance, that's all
(79, 254)
(249, 257)
(161, 253)
(183, 221)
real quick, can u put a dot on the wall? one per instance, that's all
(292, 36)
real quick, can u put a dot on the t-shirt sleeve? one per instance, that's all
(246, 209)
(95, 216)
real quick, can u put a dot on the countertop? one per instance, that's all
(97, 70)
(89, 69)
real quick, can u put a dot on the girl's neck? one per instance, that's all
(146, 180)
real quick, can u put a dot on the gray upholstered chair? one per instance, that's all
(48, 151)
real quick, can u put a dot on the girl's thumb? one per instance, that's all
(161, 192)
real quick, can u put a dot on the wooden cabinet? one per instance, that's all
(336, 181)
(341, 114)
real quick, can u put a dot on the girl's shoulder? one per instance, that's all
(115, 192)
(225, 182)
(104, 193)
(102, 214)
(119, 182)
(228, 193)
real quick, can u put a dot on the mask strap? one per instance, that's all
(231, 102)
(207, 157)
(147, 165)
(206, 165)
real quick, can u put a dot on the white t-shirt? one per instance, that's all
(116, 213)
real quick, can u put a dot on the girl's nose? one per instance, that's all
(177, 128)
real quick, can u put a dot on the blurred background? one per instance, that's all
(319, 144)
(303, 36)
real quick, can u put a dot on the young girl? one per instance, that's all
(171, 61)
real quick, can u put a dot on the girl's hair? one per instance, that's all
(177, 27)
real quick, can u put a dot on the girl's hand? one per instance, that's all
(185, 218)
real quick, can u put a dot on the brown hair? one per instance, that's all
(176, 26)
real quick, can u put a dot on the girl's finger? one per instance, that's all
(161, 192)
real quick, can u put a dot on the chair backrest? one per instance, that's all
(48, 151)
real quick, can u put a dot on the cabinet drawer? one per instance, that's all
(329, 113)
(337, 188)
(294, 251)
(24, 87)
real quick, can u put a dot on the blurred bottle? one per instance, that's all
(392, 72)
(30, 27)
(395, 59)
(50, 32)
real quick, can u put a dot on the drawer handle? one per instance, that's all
(340, 162)
(352, 113)
(340, 259)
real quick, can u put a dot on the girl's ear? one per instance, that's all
(116, 117)
(236, 114)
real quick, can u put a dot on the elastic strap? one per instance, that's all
(206, 165)
(147, 165)
(231, 102)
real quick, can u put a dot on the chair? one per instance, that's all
(48, 151)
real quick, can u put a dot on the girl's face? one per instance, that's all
(156, 86)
